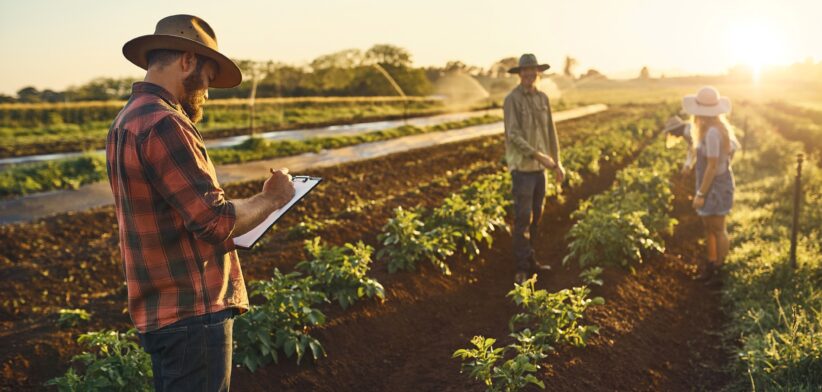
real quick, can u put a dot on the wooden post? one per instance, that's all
(796, 199)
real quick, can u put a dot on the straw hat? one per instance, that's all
(185, 33)
(707, 102)
(528, 60)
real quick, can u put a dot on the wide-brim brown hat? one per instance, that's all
(529, 60)
(707, 102)
(185, 33)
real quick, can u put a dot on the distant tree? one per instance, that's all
(385, 54)
(644, 74)
(593, 74)
(570, 64)
(347, 58)
(7, 99)
(455, 65)
(371, 82)
(29, 95)
(52, 96)
(501, 67)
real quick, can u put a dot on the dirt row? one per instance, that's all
(659, 327)
(402, 344)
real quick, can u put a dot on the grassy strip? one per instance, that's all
(798, 124)
(775, 311)
(72, 173)
(69, 173)
(39, 129)
(255, 149)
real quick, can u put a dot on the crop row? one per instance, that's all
(548, 320)
(624, 225)
(282, 322)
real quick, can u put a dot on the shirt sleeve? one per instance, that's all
(713, 140)
(513, 130)
(176, 165)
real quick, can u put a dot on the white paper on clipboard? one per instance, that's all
(302, 185)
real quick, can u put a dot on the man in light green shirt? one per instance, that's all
(531, 146)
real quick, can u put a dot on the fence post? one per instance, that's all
(796, 199)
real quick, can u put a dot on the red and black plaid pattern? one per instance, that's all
(174, 220)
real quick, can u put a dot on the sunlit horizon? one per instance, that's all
(670, 38)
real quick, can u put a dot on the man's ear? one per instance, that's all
(188, 62)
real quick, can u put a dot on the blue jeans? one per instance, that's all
(529, 196)
(193, 354)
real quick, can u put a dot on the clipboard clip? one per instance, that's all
(305, 178)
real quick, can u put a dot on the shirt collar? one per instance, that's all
(151, 88)
(525, 91)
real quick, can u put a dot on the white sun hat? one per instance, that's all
(707, 102)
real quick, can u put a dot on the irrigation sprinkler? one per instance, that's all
(396, 88)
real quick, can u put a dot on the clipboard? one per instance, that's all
(302, 185)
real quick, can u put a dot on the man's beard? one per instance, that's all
(194, 95)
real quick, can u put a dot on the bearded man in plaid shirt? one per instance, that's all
(175, 223)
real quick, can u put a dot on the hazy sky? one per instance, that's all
(55, 44)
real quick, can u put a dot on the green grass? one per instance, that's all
(72, 173)
(255, 149)
(775, 311)
(62, 174)
(28, 129)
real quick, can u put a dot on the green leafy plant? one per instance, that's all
(339, 271)
(592, 276)
(405, 243)
(548, 319)
(72, 317)
(474, 213)
(512, 375)
(555, 318)
(116, 364)
(281, 323)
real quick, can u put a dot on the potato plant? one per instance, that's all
(281, 323)
(625, 224)
(339, 271)
(116, 363)
(473, 214)
(555, 318)
(72, 317)
(512, 375)
(405, 243)
(547, 320)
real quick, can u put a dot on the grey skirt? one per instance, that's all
(720, 197)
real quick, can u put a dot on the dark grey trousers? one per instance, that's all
(529, 196)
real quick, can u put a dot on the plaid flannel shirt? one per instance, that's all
(174, 221)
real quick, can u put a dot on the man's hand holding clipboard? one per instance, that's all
(282, 191)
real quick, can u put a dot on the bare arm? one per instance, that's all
(708, 177)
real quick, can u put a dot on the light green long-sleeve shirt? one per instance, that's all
(529, 127)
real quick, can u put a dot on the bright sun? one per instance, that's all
(755, 45)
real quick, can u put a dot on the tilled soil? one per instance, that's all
(658, 327)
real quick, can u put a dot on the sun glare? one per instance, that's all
(755, 44)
